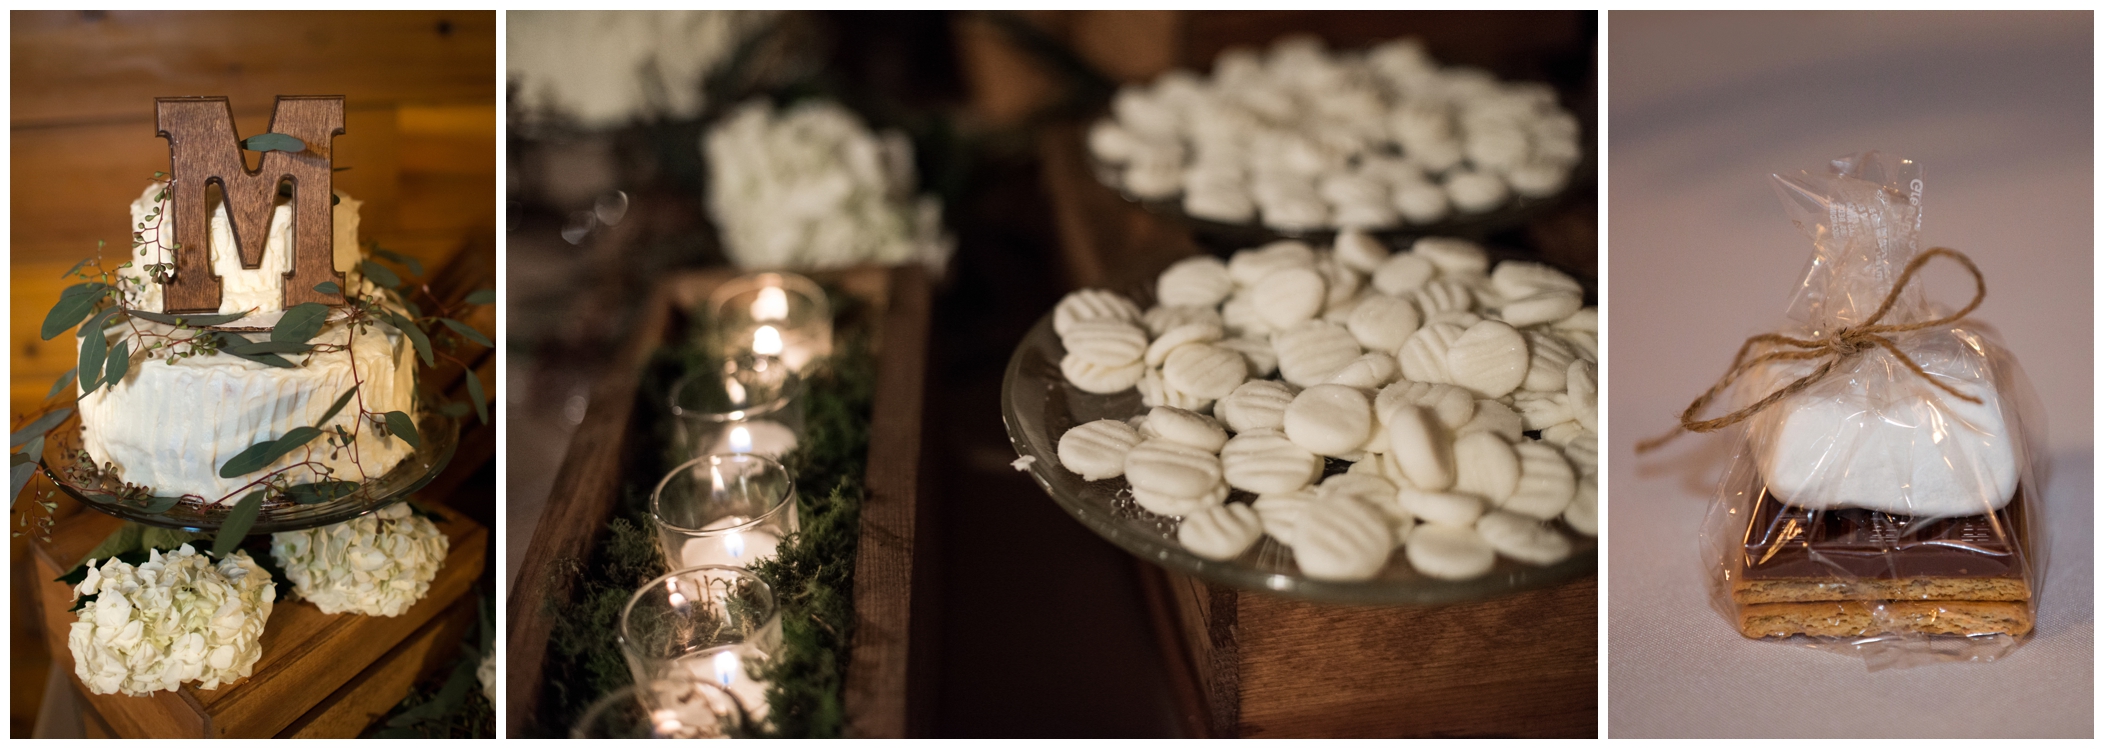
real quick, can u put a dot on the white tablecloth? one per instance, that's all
(1703, 107)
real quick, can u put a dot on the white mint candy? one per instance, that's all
(1489, 359)
(1420, 202)
(1295, 212)
(1444, 295)
(1222, 203)
(1112, 143)
(1523, 538)
(1256, 405)
(1586, 319)
(1372, 490)
(1341, 284)
(1382, 323)
(1562, 434)
(1204, 370)
(1256, 352)
(1331, 420)
(1155, 392)
(1420, 448)
(1096, 450)
(1518, 278)
(1250, 266)
(1266, 462)
(1403, 273)
(1197, 332)
(1538, 179)
(1454, 406)
(1172, 468)
(1454, 257)
(1424, 357)
(1159, 320)
(1449, 552)
(1152, 178)
(1584, 513)
(1540, 411)
(1486, 466)
(1092, 304)
(1310, 352)
(1446, 508)
(1549, 360)
(1289, 296)
(1473, 191)
(1111, 344)
(1359, 251)
(1546, 482)
(1342, 540)
(1239, 316)
(1220, 533)
(1181, 426)
(1586, 342)
(1584, 453)
(1179, 505)
(1458, 318)
(1280, 512)
(1584, 394)
(1494, 418)
(1099, 379)
(1368, 372)
(1194, 282)
(1541, 307)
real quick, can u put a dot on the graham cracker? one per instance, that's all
(1858, 619)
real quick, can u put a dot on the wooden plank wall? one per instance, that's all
(420, 130)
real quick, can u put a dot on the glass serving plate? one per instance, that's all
(440, 434)
(1039, 406)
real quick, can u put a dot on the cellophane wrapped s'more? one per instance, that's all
(1883, 499)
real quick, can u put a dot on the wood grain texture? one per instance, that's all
(306, 655)
(205, 149)
(1105, 241)
(348, 712)
(886, 667)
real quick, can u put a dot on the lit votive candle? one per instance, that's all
(701, 626)
(726, 509)
(774, 314)
(754, 404)
(731, 669)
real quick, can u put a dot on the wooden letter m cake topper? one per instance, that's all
(204, 150)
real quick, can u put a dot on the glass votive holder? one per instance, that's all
(724, 509)
(754, 404)
(666, 709)
(713, 624)
(773, 314)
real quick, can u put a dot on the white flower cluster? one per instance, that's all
(607, 68)
(175, 618)
(1302, 138)
(377, 565)
(487, 674)
(812, 188)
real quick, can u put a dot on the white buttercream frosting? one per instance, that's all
(170, 424)
(260, 289)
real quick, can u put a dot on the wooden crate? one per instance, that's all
(889, 668)
(308, 657)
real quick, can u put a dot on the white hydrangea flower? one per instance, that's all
(812, 188)
(176, 618)
(488, 674)
(378, 565)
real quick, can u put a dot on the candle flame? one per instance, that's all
(726, 667)
(771, 305)
(767, 341)
(741, 440)
(734, 543)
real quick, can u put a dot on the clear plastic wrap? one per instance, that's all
(1875, 507)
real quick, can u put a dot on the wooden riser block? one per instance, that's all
(307, 655)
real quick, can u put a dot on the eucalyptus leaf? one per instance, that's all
(320, 491)
(165, 539)
(158, 505)
(416, 336)
(475, 394)
(402, 426)
(63, 381)
(125, 538)
(328, 287)
(455, 409)
(38, 427)
(120, 360)
(74, 305)
(20, 473)
(77, 266)
(482, 296)
(260, 455)
(380, 274)
(301, 323)
(187, 321)
(416, 267)
(235, 345)
(237, 524)
(94, 352)
(274, 142)
(467, 331)
(340, 402)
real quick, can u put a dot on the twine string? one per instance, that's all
(1833, 348)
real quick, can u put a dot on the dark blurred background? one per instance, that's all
(1044, 630)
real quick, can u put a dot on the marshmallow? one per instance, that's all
(1907, 449)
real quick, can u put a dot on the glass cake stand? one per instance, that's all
(439, 433)
(1039, 406)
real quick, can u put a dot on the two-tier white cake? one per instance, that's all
(171, 423)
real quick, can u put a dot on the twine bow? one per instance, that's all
(1834, 348)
